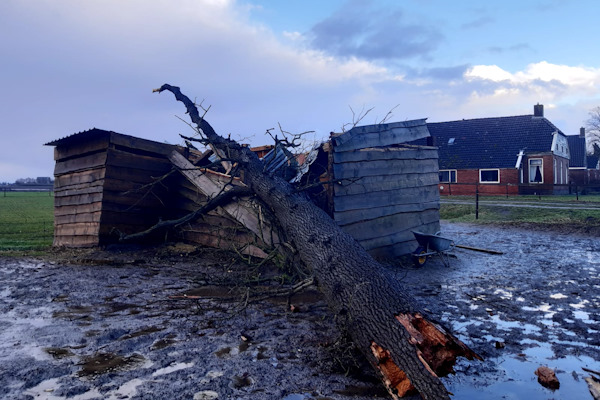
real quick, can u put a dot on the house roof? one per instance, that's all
(491, 142)
(577, 151)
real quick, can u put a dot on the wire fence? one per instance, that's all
(510, 189)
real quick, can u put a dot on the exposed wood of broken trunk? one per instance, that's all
(400, 343)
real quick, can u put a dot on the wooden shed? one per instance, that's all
(99, 186)
(108, 184)
(385, 189)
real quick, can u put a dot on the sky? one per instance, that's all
(297, 65)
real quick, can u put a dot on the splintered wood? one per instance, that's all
(395, 380)
(436, 348)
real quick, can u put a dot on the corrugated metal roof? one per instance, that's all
(79, 136)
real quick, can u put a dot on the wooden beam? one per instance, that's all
(243, 210)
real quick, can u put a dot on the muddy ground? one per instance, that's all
(164, 323)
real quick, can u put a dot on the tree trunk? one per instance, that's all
(408, 350)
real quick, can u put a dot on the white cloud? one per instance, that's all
(575, 77)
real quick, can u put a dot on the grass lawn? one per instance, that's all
(26, 220)
(496, 213)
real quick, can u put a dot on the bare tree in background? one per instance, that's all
(593, 132)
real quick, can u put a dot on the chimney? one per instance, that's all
(538, 110)
(582, 132)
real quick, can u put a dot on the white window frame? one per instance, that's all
(450, 175)
(530, 178)
(489, 169)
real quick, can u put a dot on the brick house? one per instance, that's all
(524, 154)
(584, 169)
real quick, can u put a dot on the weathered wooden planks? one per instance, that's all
(386, 153)
(100, 186)
(380, 135)
(383, 189)
(383, 167)
(91, 161)
(244, 211)
(386, 198)
(365, 214)
(368, 184)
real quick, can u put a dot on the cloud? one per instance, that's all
(478, 23)
(514, 48)
(360, 30)
(543, 73)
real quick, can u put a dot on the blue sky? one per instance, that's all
(70, 65)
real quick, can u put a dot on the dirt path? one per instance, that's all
(111, 329)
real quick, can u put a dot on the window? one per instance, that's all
(489, 176)
(536, 168)
(448, 175)
(451, 140)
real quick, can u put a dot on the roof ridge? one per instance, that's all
(484, 118)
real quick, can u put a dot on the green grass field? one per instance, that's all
(496, 213)
(26, 220)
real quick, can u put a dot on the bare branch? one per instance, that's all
(221, 199)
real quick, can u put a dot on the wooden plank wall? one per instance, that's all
(101, 186)
(382, 194)
(78, 191)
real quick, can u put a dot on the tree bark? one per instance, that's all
(400, 342)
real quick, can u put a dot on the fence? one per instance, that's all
(557, 196)
(509, 189)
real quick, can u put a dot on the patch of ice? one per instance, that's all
(580, 304)
(45, 388)
(503, 294)
(584, 316)
(206, 395)
(558, 296)
(172, 368)
(125, 391)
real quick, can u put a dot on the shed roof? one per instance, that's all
(81, 138)
(491, 142)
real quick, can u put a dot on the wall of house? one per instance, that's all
(467, 183)
(550, 185)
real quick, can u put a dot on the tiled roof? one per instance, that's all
(577, 151)
(490, 142)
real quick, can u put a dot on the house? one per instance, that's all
(524, 154)
(584, 169)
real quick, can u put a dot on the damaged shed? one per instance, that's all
(109, 185)
(376, 187)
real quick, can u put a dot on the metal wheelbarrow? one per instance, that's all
(430, 245)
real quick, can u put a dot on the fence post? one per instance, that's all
(576, 192)
(477, 202)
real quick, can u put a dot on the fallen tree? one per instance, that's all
(400, 341)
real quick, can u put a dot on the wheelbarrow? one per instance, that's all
(430, 245)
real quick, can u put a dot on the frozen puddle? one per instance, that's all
(172, 368)
(558, 296)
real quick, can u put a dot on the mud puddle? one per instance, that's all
(535, 305)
